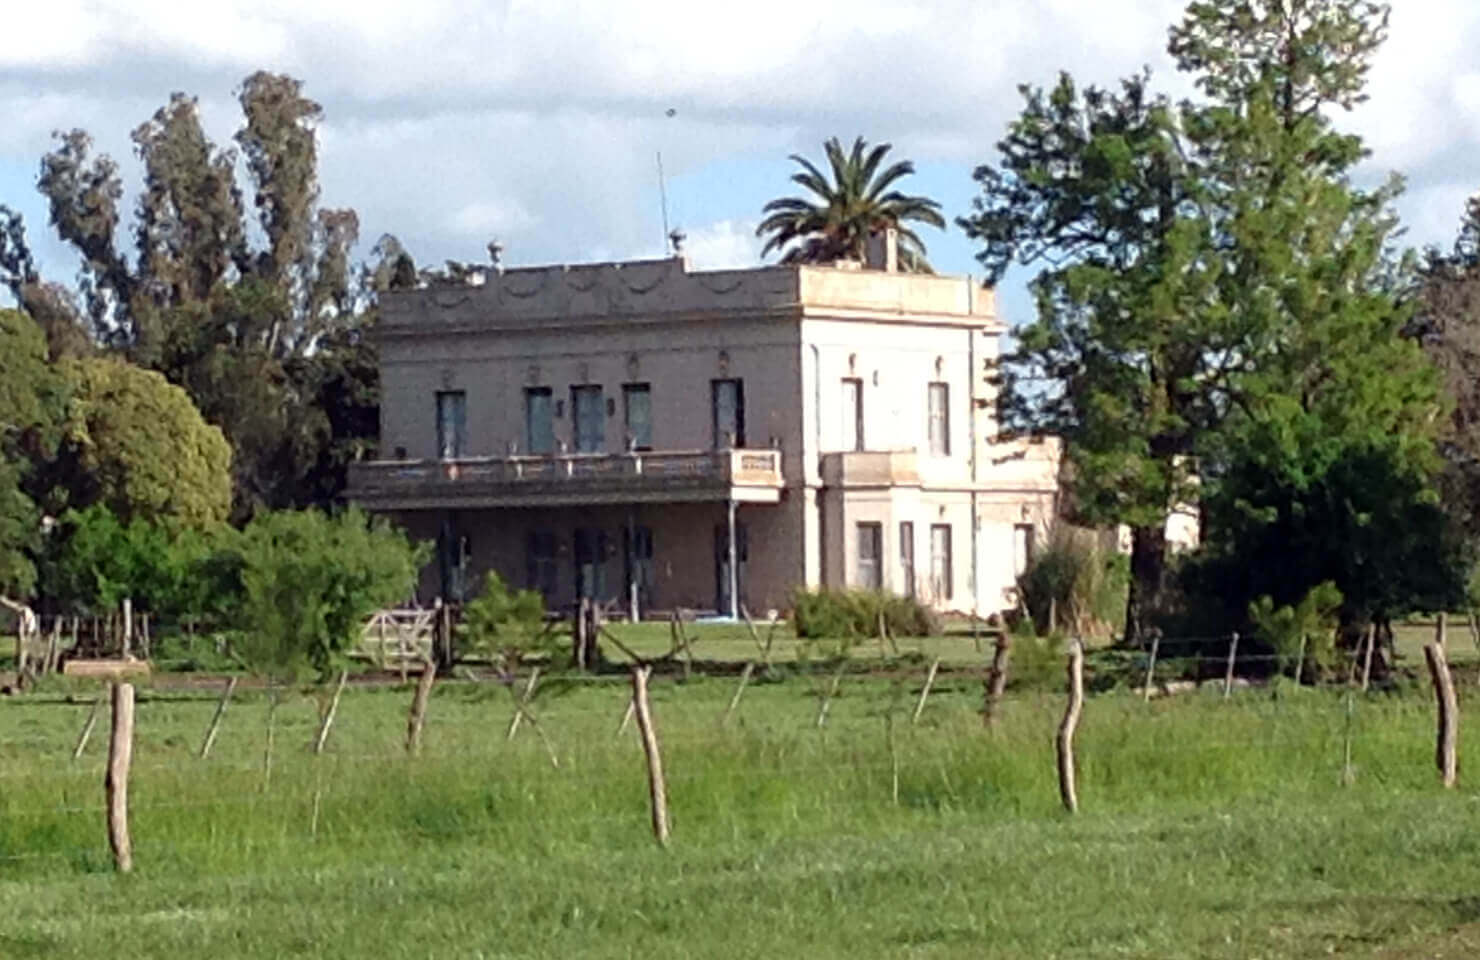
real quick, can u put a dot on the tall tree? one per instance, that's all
(261, 336)
(860, 199)
(31, 405)
(1209, 277)
(1447, 324)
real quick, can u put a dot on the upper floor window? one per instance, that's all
(637, 402)
(589, 415)
(727, 403)
(539, 426)
(852, 414)
(452, 420)
(939, 395)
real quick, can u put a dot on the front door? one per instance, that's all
(590, 563)
(722, 564)
(453, 549)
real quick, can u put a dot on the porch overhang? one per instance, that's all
(741, 476)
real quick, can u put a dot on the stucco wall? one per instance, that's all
(678, 360)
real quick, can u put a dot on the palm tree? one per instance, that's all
(857, 203)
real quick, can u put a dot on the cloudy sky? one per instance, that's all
(449, 122)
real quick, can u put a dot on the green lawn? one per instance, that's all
(1208, 829)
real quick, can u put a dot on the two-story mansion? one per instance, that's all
(655, 437)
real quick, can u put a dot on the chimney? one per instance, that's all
(883, 250)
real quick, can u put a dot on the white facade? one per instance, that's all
(867, 443)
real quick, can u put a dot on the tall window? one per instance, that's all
(940, 419)
(590, 558)
(852, 414)
(637, 403)
(870, 554)
(907, 557)
(1022, 548)
(941, 580)
(589, 415)
(452, 419)
(541, 568)
(637, 545)
(727, 402)
(722, 562)
(539, 428)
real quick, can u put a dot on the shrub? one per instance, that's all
(1037, 662)
(505, 623)
(1312, 621)
(309, 581)
(851, 615)
(1080, 581)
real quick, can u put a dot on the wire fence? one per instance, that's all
(854, 732)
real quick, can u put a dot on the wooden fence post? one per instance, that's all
(1348, 772)
(1065, 740)
(1367, 658)
(128, 627)
(418, 718)
(925, 691)
(657, 788)
(522, 702)
(210, 738)
(1232, 657)
(1151, 663)
(1445, 751)
(997, 678)
(832, 690)
(322, 736)
(626, 717)
(1300, 663)
(53, 647)
(115, 782)
(87, 728)
(739, 690)
(1441, 632)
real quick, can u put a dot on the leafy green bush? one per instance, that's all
(94, 561)
(1312, 622)
(854, 614)
(1037, 661)
(309, 581)
(506, 623)
(1083, 585)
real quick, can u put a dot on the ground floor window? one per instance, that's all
(907, 558)
(1022, 548)
(870, 554)
(590, 562)
(941, 580)
(541, 569)
(638, 548)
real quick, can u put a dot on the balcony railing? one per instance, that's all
(566, 476)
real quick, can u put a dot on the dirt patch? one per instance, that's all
(1460, 942)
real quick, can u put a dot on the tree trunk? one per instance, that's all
(1148, 581)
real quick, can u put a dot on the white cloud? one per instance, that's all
(724, 245)
(449, 121)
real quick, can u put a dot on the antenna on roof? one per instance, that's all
(663, 187)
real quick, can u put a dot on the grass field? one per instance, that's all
(1208, 829)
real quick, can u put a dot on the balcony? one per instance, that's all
(870, 468)
(751, 476)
